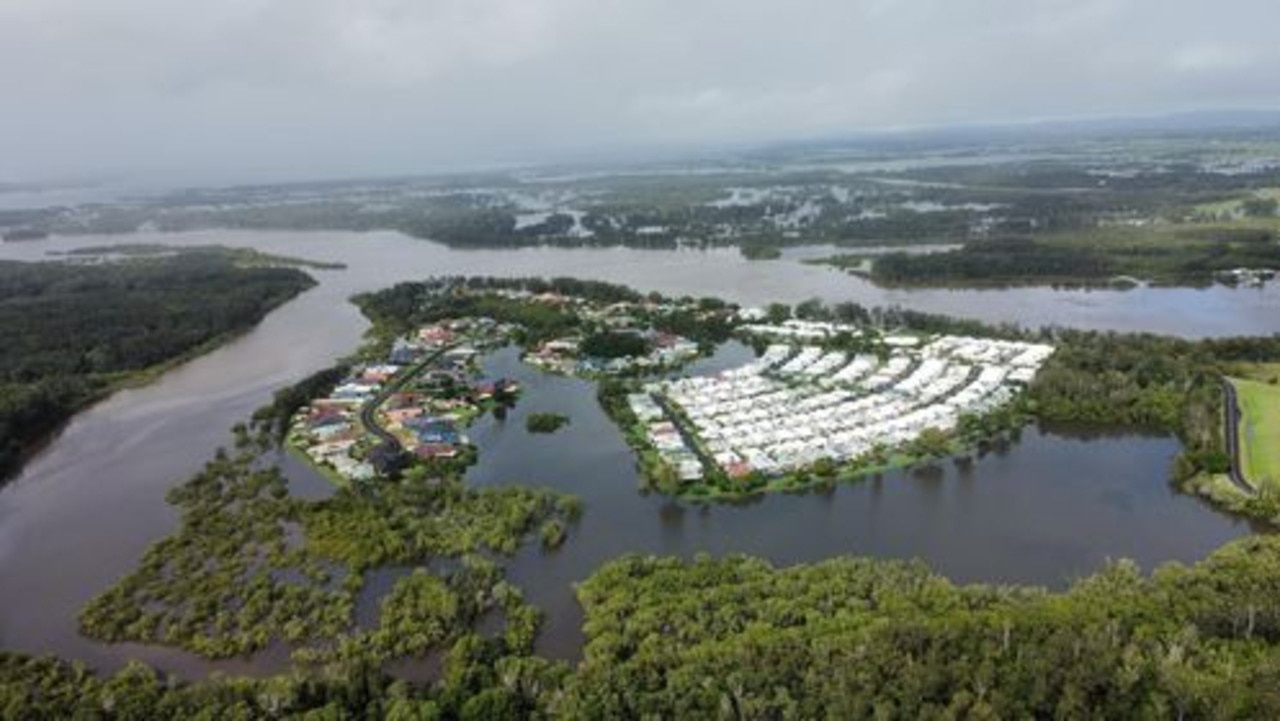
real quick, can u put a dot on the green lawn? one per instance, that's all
(1233, 205)
(1259, 430)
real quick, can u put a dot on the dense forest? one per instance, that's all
(405, 305)
(402, 307)
(74, 332)
(995, 260)
(1183, 254)
(854, 638)
(738, 638)
(250, 565)
(614, 345)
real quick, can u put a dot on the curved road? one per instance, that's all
(1231, 411)
(368, 413)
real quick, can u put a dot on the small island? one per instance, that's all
(545, 422)
(760, 251)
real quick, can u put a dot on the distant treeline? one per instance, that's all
(401, 307)
(995, 260)
(1190, 254)
(74, 332)
(781, 207)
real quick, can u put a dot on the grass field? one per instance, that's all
(1259, 430)
(1232, 206)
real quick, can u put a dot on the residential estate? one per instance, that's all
(797, 404)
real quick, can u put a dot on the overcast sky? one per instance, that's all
(296, 88)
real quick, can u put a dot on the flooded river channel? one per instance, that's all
(1051, 507)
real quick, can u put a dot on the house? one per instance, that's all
(433, 429)
(437, 379)
(460, 356)
(560, 346)
(429, 451)
(403, 400)
(378, 373)
(400, 415)
(689, 470)
(436, 336)
(550, 299)
(321, 417)
(404, 354)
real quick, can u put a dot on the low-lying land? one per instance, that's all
(806, 413)
(1167, 209)
(736, 637)
(401, 409)
(73, 333)
(851, 401)
(241, 257)
(832, 395)
(1240, 252)
(250, 566)
(407, 403)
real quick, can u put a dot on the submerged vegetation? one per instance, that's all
(240, 257)
(74, 333)
(1164, 384)
(739, 638)
(1170, 208)
(760, 251)
(251, 565)
(545, 422)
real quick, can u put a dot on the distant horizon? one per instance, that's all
(277, 90)
(617, 158)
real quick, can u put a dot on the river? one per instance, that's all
(1052, 507)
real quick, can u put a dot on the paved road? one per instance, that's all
(1232, 413)
(369, 412)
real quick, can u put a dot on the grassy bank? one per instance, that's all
(1259, 431)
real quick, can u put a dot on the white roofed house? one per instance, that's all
(795, 405)
(644, 407)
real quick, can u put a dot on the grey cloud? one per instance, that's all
(300, 87)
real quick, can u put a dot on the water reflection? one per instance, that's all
(1041, 511)
(1046, 509)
